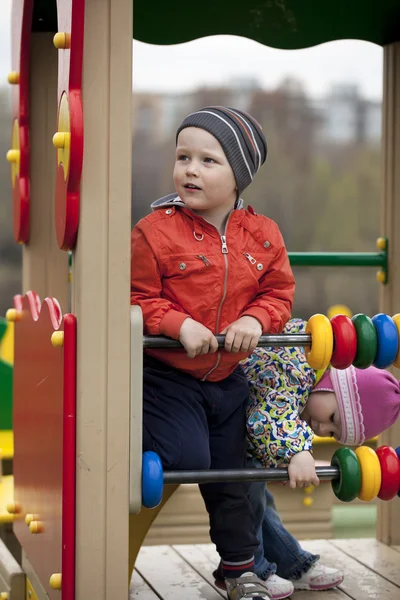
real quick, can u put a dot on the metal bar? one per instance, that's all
(338, 259)
(283, 340)
(217, 475)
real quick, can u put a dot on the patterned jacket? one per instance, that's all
(280, 382)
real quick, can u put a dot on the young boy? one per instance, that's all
(289, 401)
(202, 265)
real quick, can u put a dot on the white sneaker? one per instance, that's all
(318, 577)
(279, 588)
(246, 587)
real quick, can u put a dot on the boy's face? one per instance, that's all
(322, 414)
(203, 177)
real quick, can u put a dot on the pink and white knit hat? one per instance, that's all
(368, 399)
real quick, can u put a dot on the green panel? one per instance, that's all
(6, 384)
(3, 327)
(277, 23)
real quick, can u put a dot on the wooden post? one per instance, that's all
(44, 265)
(388, 526)
(101, 303)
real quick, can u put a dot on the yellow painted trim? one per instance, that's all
(30, 592)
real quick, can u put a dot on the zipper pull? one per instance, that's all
(204, 259)
(224, 246)
(250, 258)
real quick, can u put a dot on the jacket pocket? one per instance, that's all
(256, 263)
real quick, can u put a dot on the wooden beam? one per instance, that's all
(101, 302)
(44, 265)
(388, 526)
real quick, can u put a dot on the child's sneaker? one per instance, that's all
(318, 577)
(246, 587)
(277, 587)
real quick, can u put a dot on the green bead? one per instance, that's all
(347, 486)
(367, 341)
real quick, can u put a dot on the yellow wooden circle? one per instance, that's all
(55, 581)
(371, 475)
(320, 354)
(4, 596)
(396, 320)
(62, 138)
(13, 156)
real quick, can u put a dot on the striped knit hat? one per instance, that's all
(368, 401)
(240, 136)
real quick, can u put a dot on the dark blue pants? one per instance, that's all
(194, 424)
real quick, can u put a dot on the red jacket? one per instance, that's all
(182, 267)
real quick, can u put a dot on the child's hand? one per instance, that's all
(197, 339)
(302, 470)
(242, 335)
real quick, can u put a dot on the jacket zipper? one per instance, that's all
(249, 258)
(204, 259)
(224, 250)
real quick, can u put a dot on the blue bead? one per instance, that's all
(388, 340)
(152, 480)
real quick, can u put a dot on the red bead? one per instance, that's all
(390, 468)
(345, 342)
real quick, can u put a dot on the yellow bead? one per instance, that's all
(381, 243)
(31, 517)
(308, 501)
(338, 309)
(57, 339)
(14, 508)
(320, 353)
(4, 596)
(62, 40)
(59, 139)
(55, 581)
(309, 489)
(13, 156)
(13, 315)
(13, 78)
(381, 276)
(396, 319)
(36, 527)
(371, 475)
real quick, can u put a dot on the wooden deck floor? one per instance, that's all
(372, 571)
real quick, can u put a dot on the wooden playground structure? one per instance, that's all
(77, 417)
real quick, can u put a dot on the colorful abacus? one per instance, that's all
(359, 341)
(366, 474)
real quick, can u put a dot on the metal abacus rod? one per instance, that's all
(231, 475)
(281, 340)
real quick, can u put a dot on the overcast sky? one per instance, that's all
(220, 59)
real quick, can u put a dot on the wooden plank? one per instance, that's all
(373, 554)
(139, 589)
(388, 523)
(360, 583)
(200, 561)
(206, 565)
(171, 576)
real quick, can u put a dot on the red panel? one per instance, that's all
(21, 39)
(44, 438)
(71, 21)
(69, 452)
